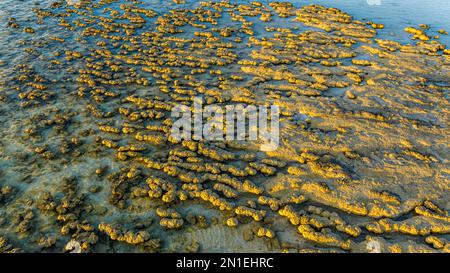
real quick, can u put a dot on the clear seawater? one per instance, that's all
(395, 14)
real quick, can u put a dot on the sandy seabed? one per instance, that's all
(87, 162)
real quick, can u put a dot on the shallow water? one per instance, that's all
(361, 142)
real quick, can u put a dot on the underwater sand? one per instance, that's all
(86, 159)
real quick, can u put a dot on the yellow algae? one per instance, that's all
(414, 226)
(249, 212)
(125, 236)
(293, 217)
(265, 232)
(320, 238)
(418, 34)
(232, 222)
(377, 26)
(296, 171)
(435, 242)
(171, 223)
